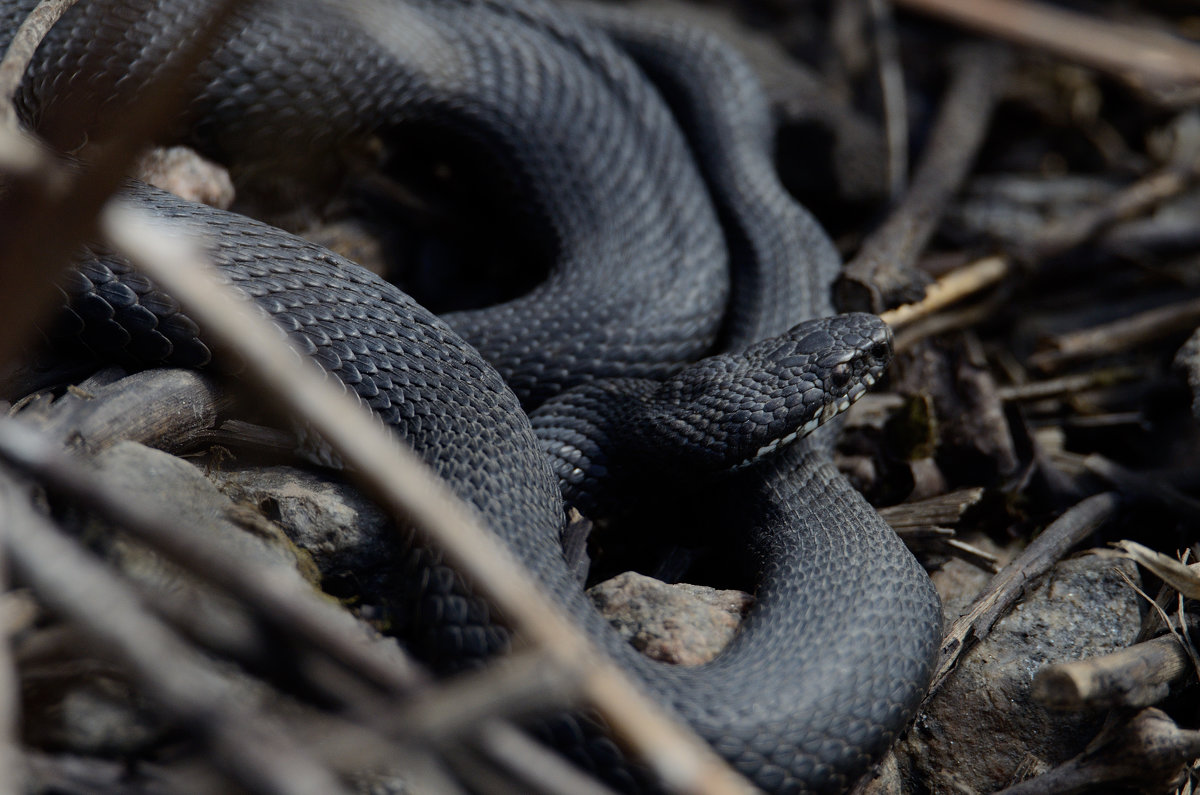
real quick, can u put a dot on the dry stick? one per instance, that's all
(944, 509)
(1007, 586)
(164, 409)
(1131, 201)
(1142, 486)
(1137, 676)
(77, 586)
(946, 321)
(1120, 335)
(1125, 50)
(1069, 384)
(407, 488)
(883, 274)
(48, 212)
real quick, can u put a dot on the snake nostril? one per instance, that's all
(881, 350)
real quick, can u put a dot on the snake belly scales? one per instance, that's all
(641, 151)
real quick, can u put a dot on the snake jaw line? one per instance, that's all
(828, 412)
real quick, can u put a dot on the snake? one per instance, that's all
(683, 335)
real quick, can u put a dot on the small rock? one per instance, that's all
(682, 624)
(185, 173)
(344, 532)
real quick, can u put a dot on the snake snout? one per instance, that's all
(819, 368)
(727, 411)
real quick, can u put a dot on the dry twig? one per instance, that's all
(1148, 752)
(882, 274)
(1137, 676)
(1146, 56)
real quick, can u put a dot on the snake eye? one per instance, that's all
(839, 376)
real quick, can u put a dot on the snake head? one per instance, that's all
(728, 411)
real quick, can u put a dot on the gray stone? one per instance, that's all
(332, 521)
(982, 727)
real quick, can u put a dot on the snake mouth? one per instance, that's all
(827, 412)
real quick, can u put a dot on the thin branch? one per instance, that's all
(1137, 676)
(1125, 50)
(949, 289)
(883, 273)
(1119, 335)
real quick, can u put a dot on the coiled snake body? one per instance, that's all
(831, 662)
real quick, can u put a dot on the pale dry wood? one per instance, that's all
(944, 509)
(1137, 676)
(951, 288)
(1150, 56)
(407, 488)
(169, 410)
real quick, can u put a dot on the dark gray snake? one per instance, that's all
(641, 221)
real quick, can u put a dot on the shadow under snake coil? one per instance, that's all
(641, 152)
